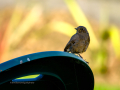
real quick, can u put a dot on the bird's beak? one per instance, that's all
(76, 28)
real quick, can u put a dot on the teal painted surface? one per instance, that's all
(26, 58)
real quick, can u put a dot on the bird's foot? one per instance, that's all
(83, 59)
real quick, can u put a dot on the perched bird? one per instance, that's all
(79, 42)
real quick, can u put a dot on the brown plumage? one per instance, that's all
(79, 42)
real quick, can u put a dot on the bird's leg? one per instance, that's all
(82, 58)
(86, 62)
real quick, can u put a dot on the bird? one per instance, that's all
(79, 42)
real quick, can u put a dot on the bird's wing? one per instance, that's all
(72, 41)
(80, 42)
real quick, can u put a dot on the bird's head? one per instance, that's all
(81, 29)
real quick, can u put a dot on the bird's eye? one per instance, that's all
(82, 28)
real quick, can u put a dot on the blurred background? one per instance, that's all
(30, 26)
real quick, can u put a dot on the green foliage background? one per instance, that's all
(27, 28)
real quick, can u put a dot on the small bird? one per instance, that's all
(79, 42)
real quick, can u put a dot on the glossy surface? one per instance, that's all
(20, 60)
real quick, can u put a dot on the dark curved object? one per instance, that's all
(61, 70)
